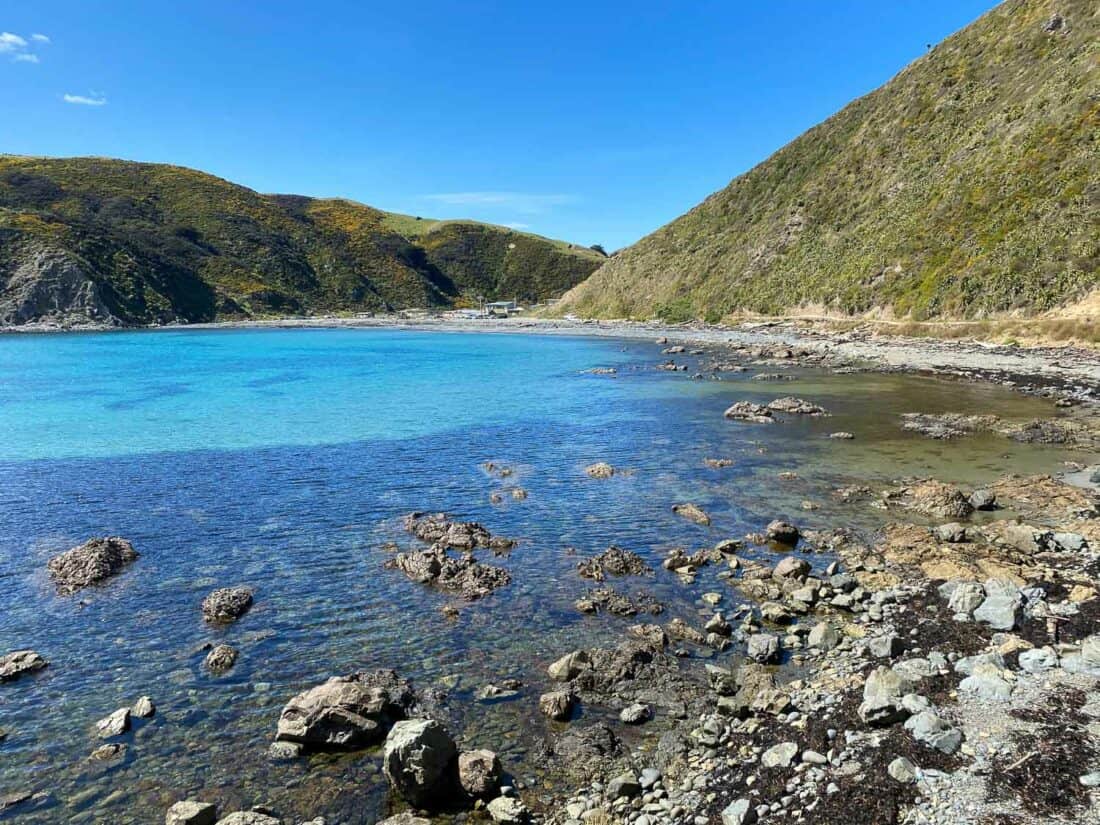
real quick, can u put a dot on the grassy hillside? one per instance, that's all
(967, 185)
(109, 240)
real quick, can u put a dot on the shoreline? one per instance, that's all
(1073, 371)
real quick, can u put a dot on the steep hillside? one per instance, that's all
(90, 239)
(969, 184)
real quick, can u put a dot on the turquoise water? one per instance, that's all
(284, 460)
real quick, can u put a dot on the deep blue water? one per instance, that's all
(285, 459)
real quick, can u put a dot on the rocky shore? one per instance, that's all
(943, 668)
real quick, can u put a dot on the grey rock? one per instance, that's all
(928, 728)
(18, 663)
(248, 818)
(191, 812)
(784, 533)
(346, 711)
(902, 770)
(114, 725)
(763, 648)
(416, 759)
(507, 810)
(570, 666)
(882, 697)
(634, 714)
(226, 604)
(221, 658)
(1090, 780)
(1069, 542)
(739, 812)
(987, 683)
(999, 611)
(983, 500)
(479, 773)
(90, 563)
(143, 708)
(626, 786)
(823, 636)
(966, 665)
(50, 284)
(1038, 660)
(557, 704)
(952, 533)
(886, 647)
(406, 818)
(965, 597)
(779, 756)
(1087, 660)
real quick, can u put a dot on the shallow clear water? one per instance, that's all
(284, 460)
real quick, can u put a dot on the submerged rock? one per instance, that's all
(601, 469)
(221, 659)
(346, 712)
(90, 563)
(692, 513)
(20, 662)
(227, 604)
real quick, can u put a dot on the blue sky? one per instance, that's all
(595, 122)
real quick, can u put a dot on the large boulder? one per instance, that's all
(19, 662)
(346, 712)
(226, 604)
(90, 563)
(419, 761)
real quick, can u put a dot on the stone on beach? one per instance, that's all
(90, 563)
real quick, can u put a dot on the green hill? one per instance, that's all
(967, 185)
(91, 239)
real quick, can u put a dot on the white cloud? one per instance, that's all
(529, 203)
(11, 43)
(92, 99)
(18, 48)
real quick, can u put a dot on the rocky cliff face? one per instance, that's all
(42, 284)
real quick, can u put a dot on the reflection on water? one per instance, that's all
(285, 459)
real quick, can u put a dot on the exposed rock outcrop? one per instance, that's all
(90, 563)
